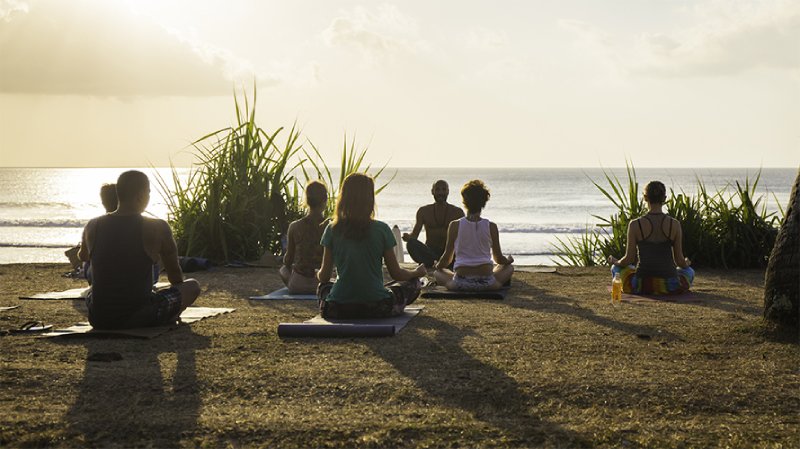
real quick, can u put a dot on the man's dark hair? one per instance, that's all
(108, 196)
(475, 195)
(130, 184)
(438, 182)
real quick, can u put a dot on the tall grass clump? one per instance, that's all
(351, 161)
(729, 228)
(240, 195)
(595, 244)
(581, 251)
(243, 190)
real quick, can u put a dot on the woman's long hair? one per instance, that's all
(355, 206)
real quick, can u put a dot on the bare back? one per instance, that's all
(656, 228)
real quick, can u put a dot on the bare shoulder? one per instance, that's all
(634, 227)
(425, 212)
(454, 211)
(91, 224)
(89, 231)
(156, 226)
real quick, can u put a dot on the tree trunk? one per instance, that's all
(782, 282)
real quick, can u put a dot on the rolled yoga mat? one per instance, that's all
(398, 247)
(338, 330)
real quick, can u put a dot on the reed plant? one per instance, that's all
(728, 230)
(351, 161)
(581, 251)
(720, 229)
(243, 191)
(240, 194)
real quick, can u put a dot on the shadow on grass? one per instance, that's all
(546, 302)
(128, 402)
(445, 372)
(726, 303)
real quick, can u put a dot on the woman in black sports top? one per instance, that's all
(656, 242)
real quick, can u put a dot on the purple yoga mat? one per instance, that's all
(338, 330)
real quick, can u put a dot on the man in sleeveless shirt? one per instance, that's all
(434, 218)
(122, 247)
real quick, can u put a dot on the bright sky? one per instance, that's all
(453, 83)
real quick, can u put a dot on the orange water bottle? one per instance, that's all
(616, 288)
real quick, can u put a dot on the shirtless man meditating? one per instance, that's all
(435, 218)
(122, 247)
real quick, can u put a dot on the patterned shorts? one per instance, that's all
(474, 283)
(633, 283)
(403, 294)
(167, 304)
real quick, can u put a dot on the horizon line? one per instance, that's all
(517, 167)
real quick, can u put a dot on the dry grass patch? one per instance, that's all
(553, 365)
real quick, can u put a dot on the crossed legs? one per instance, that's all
(297, 283)
(501, 273)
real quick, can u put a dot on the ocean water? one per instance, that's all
(43, 210)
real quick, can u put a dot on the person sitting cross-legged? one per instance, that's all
(303, 251)
(122, 247)
(656, 241)
(434, 218)
(358, 246)
(475, 242)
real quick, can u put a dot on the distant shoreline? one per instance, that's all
(44, 210)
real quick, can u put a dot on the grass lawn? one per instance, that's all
(553, 365)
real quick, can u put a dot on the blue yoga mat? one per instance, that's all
(283, 294)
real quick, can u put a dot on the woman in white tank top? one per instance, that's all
(475, 243)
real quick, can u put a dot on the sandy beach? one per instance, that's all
(554, 365)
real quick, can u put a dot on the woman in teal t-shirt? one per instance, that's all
(357, 245)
